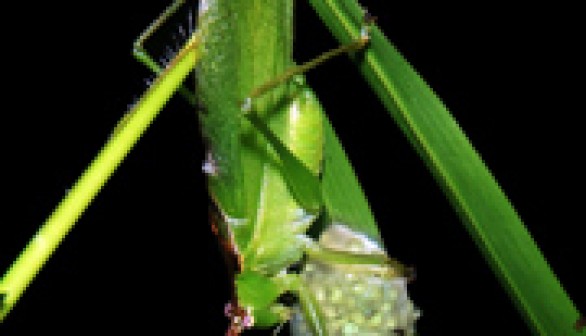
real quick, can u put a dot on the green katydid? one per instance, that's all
(272, 160)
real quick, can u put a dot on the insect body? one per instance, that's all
(264, 219)
(265, 181)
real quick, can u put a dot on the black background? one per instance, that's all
(143, 257)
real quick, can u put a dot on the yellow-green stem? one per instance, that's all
(127, 133)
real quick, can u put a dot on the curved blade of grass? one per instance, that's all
(485, 211)
(125, 136)
(303, 184)
(344, 199)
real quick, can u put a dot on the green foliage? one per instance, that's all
(475, 195)
(303, 184)
(434, 134)
(343, 197)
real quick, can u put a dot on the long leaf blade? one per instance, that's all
(474, 193)
(344, 199)
(126, 134)
(303, 184)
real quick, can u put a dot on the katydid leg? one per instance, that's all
(340, 257)
(142, 55)
(308, 305)
(357, 44)
(311, 310)
(302, 182)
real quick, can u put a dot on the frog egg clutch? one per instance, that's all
(357, 299)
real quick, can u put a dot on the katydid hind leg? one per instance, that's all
(358, 43)
(304, 185)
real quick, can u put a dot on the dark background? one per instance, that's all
(143, 257)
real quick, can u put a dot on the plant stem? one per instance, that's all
(123, 138)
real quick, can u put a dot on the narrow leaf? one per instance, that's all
(304, 185)
(474, 193)
(343, 197)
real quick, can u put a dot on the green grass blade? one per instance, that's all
(344, 199)
(474, 193)
(125, 136)
(303, 184)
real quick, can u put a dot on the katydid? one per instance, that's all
(263, 178)
(267, 154)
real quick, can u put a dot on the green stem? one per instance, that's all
(125, 136)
